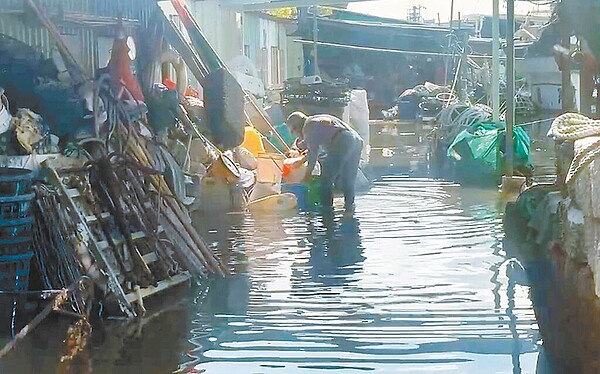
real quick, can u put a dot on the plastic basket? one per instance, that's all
(15, 245)
(313, 193)
(14, 207)
(16, 227)
(14, 181)
(14, 272)
(300, 191)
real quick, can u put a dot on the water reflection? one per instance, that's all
(335, 251)
(152, 344)
(417, 282)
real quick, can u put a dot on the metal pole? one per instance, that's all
(496, 61)
(315, 40)
(449, 41)
(567, 96)
(451, 13)
(464, 96)
(510, 85)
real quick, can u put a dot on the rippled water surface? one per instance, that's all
(416, 282)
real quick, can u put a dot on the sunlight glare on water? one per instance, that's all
(416, 282)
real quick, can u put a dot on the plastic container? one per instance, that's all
(224, 167)
(253, 141)
(313, 194)
(294, 170)
(14, 181)
(269, 168)
(12, 207)
(262, 189)
(286, 135)
(301, 193)
(14, 272)
(15, 245)
(16, 227)
(274, 203)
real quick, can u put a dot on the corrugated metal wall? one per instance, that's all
(82, 41)
(261, 36)
(221, 26)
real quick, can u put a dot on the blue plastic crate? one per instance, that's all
(17, 227)
(14, 181)
(15, 207)
(15, 245)
(300, 191)
(14, 272)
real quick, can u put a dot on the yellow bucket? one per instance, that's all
(253, 141)
(224, 167)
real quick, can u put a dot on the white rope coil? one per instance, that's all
(574, 126)
(459, 116)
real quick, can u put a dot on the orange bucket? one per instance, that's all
(224, 167)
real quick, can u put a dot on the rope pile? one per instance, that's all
(459, 116)
(571, 127)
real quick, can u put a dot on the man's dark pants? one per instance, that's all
(340, 166)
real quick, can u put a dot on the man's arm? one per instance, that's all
(312, 146)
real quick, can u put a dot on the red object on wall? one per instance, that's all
(119, 68)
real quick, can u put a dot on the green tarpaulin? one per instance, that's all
(482, 145)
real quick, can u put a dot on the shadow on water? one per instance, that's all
(335, 252)
(153, 344)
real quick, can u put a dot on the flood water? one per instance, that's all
(416, 282)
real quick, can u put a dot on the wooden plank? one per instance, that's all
(161, 286)
(92, 219)
(150, 258)
(72, 192)
(113, 282)
(103, 245)
(134, 236)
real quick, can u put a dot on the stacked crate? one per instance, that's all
(16, 222)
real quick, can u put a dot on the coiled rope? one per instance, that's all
(571, 127)
(459, 116)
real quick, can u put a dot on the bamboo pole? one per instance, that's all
(510, 86)
(172, 204)
(496, 61)
(76, 72)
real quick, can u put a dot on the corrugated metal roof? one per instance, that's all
(82, 39)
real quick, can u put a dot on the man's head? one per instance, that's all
(295, 122)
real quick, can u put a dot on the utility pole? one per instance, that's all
(449, 41)
(567, 96)
(315, 10)
(463, 94)
(496, 61)
(510, 86)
